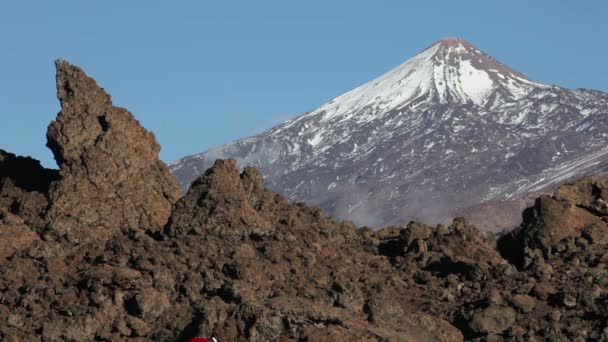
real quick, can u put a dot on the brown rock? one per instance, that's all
(239, 262)
(569, 300)
(468, 242)
(596, 233)
(286, 263)
(517, 331)
(555, 315)
(24, 185)
(543, 290)
(558, 219)
(151, 303)
(588, 192)
(415, 231)
(111, 177)
(457, 247)
(137, 326)
(494, 319)
(523, 302)
(219, 199)
(552, 219)
(14, 235)
(427, 328)
(495, 297)
(496, 216)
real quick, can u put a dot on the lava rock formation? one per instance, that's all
(104, 250)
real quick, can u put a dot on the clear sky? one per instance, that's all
(203, 73)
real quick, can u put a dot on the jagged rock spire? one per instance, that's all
(111, 177)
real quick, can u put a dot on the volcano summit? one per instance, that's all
(446, 132)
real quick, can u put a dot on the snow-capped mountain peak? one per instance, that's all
(447, 129)
(462, 72)
(449, 71)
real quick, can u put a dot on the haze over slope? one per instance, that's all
(449, 129)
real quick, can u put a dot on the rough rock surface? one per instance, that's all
(574, 206)
(14, 235)
(24, 185)
(236, 260)
(239, 262)
(296, 276)
(282, 268)
(111, 176)
(493, 319)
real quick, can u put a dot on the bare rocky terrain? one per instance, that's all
(104, 249)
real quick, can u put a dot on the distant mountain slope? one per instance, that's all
(447, 130)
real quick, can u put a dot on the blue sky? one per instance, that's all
(202, 73)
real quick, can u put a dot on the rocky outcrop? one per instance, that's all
(562, 252)
(236, 260)
(282, 268)
(576, 208)
(499, 216)
(453, 272)
(239, 262)
(110, 174)
(296, 276)
(24, 185)
(220, 199)
(460, 242)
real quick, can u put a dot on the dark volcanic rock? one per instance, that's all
(236, 260)
(110, 173)
(26, 173)
(14, 235)
(494, 319)
(285, 263)
(24, 185)
(300, 276)
(219, 199)
(574, 206)
(239, 262)
(590, 193)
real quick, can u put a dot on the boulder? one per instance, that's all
(523, 302)
(151, 303)
(415, 231)
(493, 319)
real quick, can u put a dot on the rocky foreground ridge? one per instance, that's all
(104, 250)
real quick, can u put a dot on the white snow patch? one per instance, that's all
(316, 139)
(476, 84)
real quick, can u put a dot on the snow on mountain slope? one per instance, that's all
(446, 130)
(450, 71)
